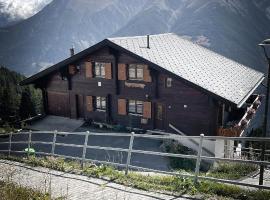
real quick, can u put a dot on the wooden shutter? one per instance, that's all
(89, 103)
(147, 110)
(122, 106)
(108, 70)
(72, 69)
(146, 74)
(88, 70)
(122, 74)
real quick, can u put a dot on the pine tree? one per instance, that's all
(27, 107)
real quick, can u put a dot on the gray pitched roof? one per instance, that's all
(207, 69)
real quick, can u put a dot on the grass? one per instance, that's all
(232, 171)
(161, 183)
(11, 191)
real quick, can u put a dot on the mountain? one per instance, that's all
(14, 11)
(231, 28)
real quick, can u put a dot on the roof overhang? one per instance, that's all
(240, 104)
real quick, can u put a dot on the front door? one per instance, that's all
(79, 106)
(159, 116)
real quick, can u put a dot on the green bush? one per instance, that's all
(173, 146)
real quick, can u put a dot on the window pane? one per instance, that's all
(102, 69)
(98, 102)
(103, 103)
(139, 73)
(131, 106)
(97, 69)
(139, 107)
(131, 72)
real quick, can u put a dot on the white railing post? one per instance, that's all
(29, 143)
(54, 141)
(10, 142)
(84, 148)
(198, 162)
(129, 152)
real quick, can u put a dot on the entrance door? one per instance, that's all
(159, 116)
(79, 106)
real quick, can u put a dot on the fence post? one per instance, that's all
(198, 162)
(9, 146)
(84, 148)
(54, 140)
(29, 143)
(129, 152)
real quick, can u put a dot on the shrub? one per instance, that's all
(173, 146)
(231, 171)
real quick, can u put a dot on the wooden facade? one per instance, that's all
(161, 100)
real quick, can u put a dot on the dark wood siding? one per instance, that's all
(183, 106)
(58, 104)
(186, 108)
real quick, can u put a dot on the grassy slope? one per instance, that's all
(161, 183)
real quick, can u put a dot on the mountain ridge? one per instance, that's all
(232, 29)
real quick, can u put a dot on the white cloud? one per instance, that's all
(21, 9)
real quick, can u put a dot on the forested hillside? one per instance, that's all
(17, 102)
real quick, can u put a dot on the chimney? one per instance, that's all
(148, 38)
(71, 51)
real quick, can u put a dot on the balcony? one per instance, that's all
(239, 120)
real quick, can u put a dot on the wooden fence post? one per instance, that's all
(198, 162)
(84, 148)
(10, 142)
(129, 152)
(53, 144)
(29, 143)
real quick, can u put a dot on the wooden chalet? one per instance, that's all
(161, 82)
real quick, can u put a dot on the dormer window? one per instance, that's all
(99, 70)
(135, 72)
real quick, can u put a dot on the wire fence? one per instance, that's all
(232, 151)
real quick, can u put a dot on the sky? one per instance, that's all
(21, 9)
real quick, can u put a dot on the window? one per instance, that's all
(99, 70)
(135, 72)
(135, 107)
(168, 82)
(100, 103)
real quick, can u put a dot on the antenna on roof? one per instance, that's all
(72, 51)
(148, 40)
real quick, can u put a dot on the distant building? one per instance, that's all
(159, 82)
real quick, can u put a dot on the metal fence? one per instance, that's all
(242, 158)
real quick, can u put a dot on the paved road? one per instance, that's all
(72, 186)
(142, 160)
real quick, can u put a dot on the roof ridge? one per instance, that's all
(140, 36)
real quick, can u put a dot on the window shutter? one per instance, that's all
(122, 74)
(88, 70)
(89, 103)
(72, 69)
(146, 74)
(108, 71)
(122, 106)
(147, 110)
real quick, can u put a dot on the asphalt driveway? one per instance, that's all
(142, 160)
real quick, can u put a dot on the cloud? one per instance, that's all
(21, 9)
